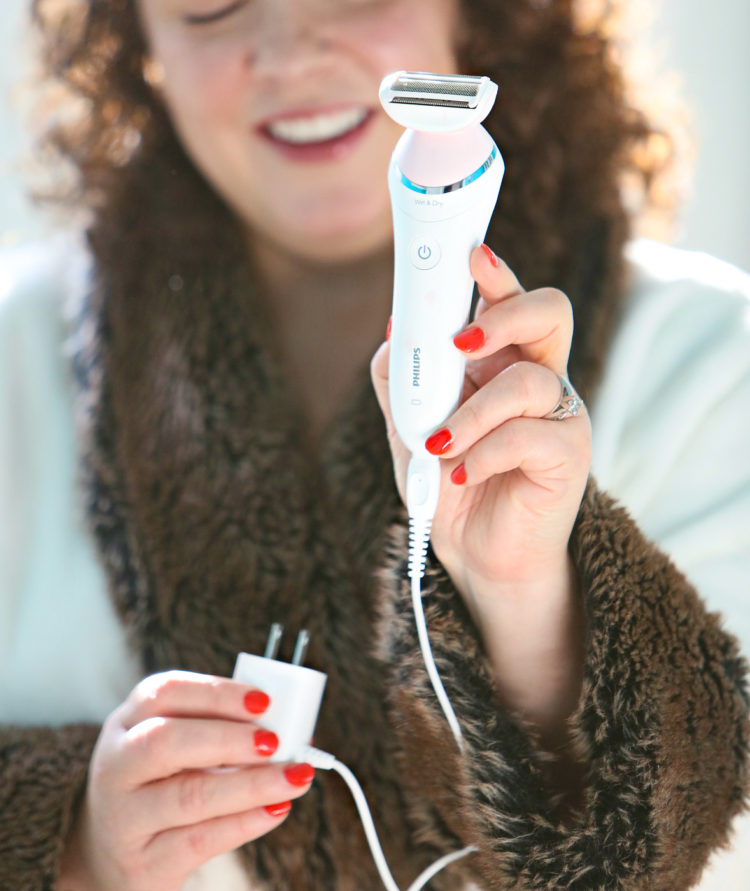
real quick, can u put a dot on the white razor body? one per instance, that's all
(444, 186)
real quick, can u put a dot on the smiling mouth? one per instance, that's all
(316, 129)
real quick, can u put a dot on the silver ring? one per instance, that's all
(569, 405)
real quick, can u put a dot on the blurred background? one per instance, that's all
(706, 46)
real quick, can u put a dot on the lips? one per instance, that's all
(317, 134)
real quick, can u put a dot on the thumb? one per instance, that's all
(379, 375)
(399, 453)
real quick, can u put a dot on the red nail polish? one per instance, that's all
(388, 329)
(470, 339)
(491, 255)
(459, 475)
(278, 810)
(439, 442)
(266, 742)
(299, 774)
(256, 702)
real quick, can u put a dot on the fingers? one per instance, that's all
(535, 325)
(193, 845)
(539, 323)
(161, 747)
(525, 389)
(185, 693)
(196, 796)
(495, 279)
(543, 450)
(379, 376)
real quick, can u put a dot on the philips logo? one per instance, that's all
(415, 366)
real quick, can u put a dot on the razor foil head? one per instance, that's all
(436, 102)
(418, 86)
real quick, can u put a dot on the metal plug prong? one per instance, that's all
(300, 649)
(274, 641)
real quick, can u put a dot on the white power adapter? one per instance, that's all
(296, 693)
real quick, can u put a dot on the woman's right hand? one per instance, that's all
(179, 775)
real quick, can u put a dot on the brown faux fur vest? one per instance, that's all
(213, 520)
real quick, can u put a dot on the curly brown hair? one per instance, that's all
(564, 123)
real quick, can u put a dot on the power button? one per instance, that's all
(424, 252)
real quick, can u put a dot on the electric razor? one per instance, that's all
(444, 180)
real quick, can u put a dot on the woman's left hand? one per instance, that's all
(512, 480)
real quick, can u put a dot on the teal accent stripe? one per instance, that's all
(453, 187)
(413, 186)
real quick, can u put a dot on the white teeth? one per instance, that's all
(319, 127)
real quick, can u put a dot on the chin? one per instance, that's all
(339, 248)
(332, 240)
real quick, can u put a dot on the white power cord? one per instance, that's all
(422, 491)
(326, 761)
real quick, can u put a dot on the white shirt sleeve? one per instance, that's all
(63, 655)
(672, 420)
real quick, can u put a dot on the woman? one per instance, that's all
(235, 279)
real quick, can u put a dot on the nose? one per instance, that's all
(296, 34)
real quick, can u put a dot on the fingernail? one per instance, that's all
(266, 742)
(256, 702)
(439, 442)
(459, 475)
(491, 255)
(278, 810)
(388, 329)
(470, 339)
(299, 774)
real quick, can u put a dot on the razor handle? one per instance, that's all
(434, 234)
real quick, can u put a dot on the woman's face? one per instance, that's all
(276, 102)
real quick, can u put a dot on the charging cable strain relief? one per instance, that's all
(419, 542)
(317, 758)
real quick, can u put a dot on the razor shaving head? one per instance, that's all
(436, 102)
